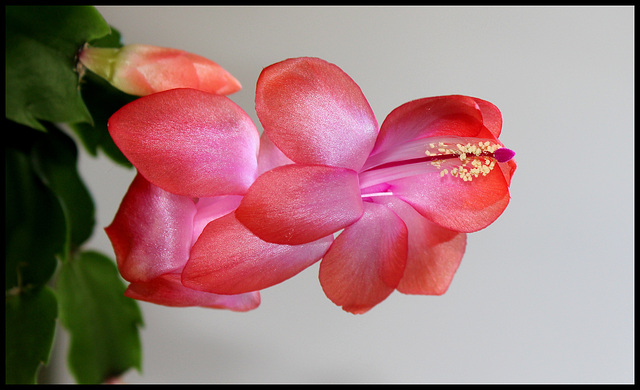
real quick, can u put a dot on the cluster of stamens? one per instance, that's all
(475, 158)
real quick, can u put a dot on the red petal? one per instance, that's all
(189, 142)
(168, 291)
(295, 204)
(152, 231)
(366, 261)
(442, 116)
(209, 209)
(229, 259)
(434, 252)
(508, 169)
(491, 116)
(453, 203)
(315, 113)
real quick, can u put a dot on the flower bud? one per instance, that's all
(144, 69)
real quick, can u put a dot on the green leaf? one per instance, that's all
(35, 226)
(30, 320)
(41, 45)
(55, 158)
(113, 39)
(103, 101)
(102, 322)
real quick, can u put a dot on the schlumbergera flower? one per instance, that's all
(207, 219)
(196, 154)
(402, 196)
(141, 70)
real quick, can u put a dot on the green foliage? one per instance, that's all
(30, 327)
(35, 226)
(103, 101)
(41, 46)
(50, 213)
(55, 158)
(102, 322)
(35, 235)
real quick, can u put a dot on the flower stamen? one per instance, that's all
(475, 158)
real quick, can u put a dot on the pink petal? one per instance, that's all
(434, 252)
(270, 156)
(366, 261)
(189, 142)
(295, 204)
(463, 206)
(209, 209)
(151, 232)
(229, 259)
(167, 290)
(315, 113)
(442, 116)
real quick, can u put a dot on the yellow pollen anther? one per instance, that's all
(473, 158)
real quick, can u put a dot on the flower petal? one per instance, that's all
(212, 208)
(189, 142)
(434, 252)
(491, 116)
(229, 259)
(463, 206)
(366, 261)
(441, 116)
(270, 156)
(167, 290)
(295, 204)
(315, 113)
(151, 232)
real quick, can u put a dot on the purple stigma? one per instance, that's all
(503, 154)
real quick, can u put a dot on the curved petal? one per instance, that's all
(508, 169)
(167, 290)
(441, 116)
(315, 113)
(229, 259)
(151, 232)
(434, 252)
(209, 209)
(295, 204)
(189, 142)
(366, 261)
(270, 156)
(491, 116)
(463, 206)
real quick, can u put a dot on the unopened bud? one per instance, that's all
(143, 69)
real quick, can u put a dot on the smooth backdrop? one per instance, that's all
(545, 294)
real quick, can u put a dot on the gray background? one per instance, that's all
(545, 294)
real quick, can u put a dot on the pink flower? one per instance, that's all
(152, 234)
(143, 69)
(403, 195)
(196, 155)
